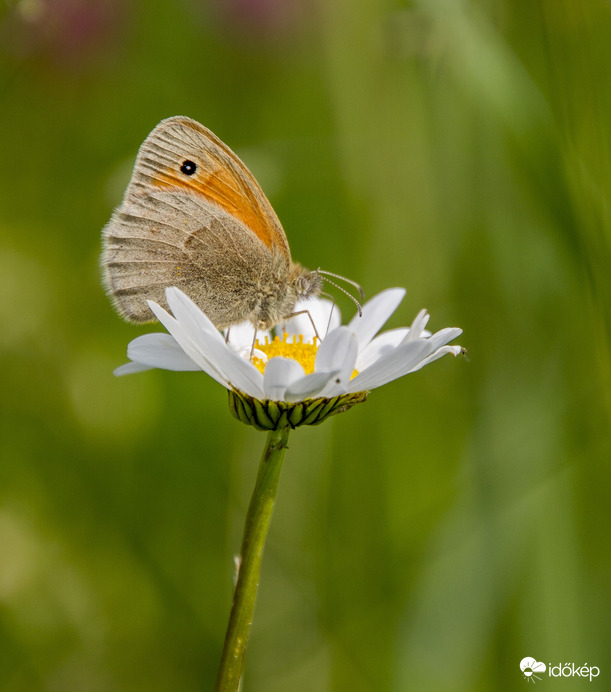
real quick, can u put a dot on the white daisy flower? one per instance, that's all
(295, 379)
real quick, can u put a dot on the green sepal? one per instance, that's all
(275, 415)
(262, 417)
(326, 409)
(313, 411)
(296, 415)
(274, 411)
(283, 421)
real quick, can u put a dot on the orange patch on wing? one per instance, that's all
(220, 188)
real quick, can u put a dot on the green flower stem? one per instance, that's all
(255, 531)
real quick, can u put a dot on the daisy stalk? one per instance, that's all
(258, 519)
(288, 381)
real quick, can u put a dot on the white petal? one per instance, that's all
(379, 346)
(162, 315)
(375, 313)
(237, 372)
(160, 351)
(209, 350)
(443, 336)
(309, 386)
(279, 374)
(323, 313)
(194, 351)
(338, 352)
(444, 350)
(247, 352)
(191, 318)
(416, 331)
(131, 368)
(242, 335)
(396, 364)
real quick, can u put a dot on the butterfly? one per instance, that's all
(193, 216)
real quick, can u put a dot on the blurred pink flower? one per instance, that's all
(262, 18)
(65, 33)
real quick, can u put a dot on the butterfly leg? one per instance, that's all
(254, 341)
(306, 312)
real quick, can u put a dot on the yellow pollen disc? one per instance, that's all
(295, 349)
(289, 347)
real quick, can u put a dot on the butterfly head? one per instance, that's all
(307, 284)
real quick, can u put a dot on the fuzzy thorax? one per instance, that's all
(276, 300)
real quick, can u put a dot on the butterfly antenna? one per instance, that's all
(345, 292)
(342, 278)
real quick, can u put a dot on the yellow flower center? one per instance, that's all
(303, 353)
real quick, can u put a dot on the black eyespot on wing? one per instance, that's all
(188, 167)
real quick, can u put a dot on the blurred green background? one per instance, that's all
(428, 539)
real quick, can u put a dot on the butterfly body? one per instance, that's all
(194, 217)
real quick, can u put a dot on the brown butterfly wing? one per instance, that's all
(209, 230)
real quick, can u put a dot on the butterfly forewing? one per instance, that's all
(218, 176)
(209, 230)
